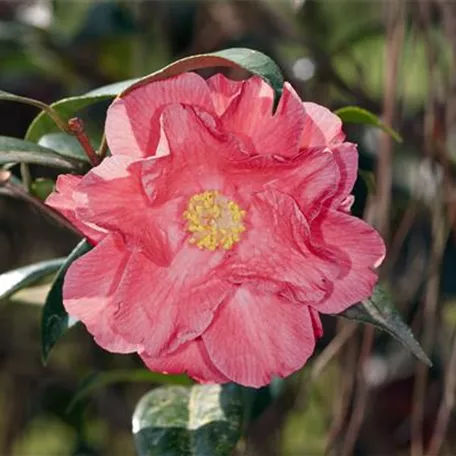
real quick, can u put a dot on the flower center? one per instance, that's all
(214, 220)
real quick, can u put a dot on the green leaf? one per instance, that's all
(17, 279)
(69, 107)
(378, 310)
(98, 380)
(203, 420)
(261, 398)
(354, 114)
(254, 62)
(42, 188)
(13, 150)
(66, 145)
(55, 320)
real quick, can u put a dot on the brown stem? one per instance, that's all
(103, 150)
(394, 44)
(439, 237)
(362, 391)
(348, 330)
(342, 396)
(76, 127)
(16, 190)
(446, 407)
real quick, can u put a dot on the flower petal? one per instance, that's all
(363, 250)
(256, 336)
(316, 323)
(161, 308)
(62, 199)
(197, 150)
(250, 117)
(130, 304)
(223, 91)
(88, 289)
(322, 128)
(190, 358)
(132, 123)
(346, 157)
(312, 180)
(273, 253)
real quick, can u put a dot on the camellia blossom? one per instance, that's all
(221, 230)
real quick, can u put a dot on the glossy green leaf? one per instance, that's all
(65, 144)
(378, 310)
(69, 107)
(203, 420)
(55, 320)
(100, 380)
(254, 62)
(27, 276)
(354, 114)
(13, 150)
(42, 188)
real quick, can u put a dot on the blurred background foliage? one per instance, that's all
(362, 394)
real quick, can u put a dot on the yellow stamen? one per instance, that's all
(214, 221)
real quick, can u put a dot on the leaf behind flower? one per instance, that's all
(14, 150)
(17, 279)
(357, 115)
(55, 320)
(378, 310)
(254, 62)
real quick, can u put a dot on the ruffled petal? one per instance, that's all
(346, 157)
(197, 151)
(161, 308)
(132, 122)
(256, 336)
(111, 196)
(316, 323)
(126, 300)
(250, 117)
(322, 128)
(223, 91)
(361, 250)
(312, 180)
(190, 358)
(62, 199)
(88, 292)
(273, 253)
(108, 190)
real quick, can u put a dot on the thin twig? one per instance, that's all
(342, 396)
(362, 391)
(439, 236)
(25, 175)
(103, 149)
(51, 112)
(446, 407)
(394, 45)
(333, 348)
(16, 190)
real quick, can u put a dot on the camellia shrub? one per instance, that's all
(216, 229)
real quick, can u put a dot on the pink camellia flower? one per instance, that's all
(221, 230)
